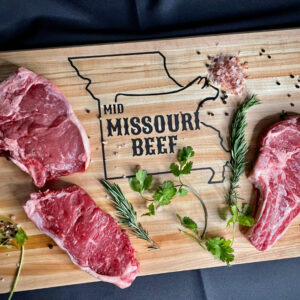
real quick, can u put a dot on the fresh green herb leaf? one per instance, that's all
(183, 192)
(220, 249)
(187, 168)
(135, 185)
(175, 169)
(185, 154)
(147, 182)
(217, 246)
(141, 176)
(151, 211)
(165, 193)
(21, 237)
(188, 223)
(246, 221)
(141, 182)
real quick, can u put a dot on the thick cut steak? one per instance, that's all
(38, 128)
(90, 236)
(276, 175)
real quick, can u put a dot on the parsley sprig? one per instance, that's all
(10, 235)
(168, 190)
(239, 149)
(217, 246)
(126, 213)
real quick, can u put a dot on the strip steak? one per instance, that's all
(90, 236)
(276, 175)
(38, 128)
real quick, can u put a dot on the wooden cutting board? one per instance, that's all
(114, 87)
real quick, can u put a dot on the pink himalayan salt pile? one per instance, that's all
(228, 72)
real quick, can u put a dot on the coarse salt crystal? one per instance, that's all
(228, 72)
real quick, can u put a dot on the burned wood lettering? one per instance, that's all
(148, 119)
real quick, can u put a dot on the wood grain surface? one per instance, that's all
(154, 79)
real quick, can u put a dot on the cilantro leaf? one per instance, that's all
(187, 168)
(21, 237)
(165, 193)
(188, 223)
(175, 169)
(185, 154)
(135, 185)
(141, 176)
(151, 211)
(147, 182)
(241, 216)
(141, 182)
(220, 249)
(183, 192)
(246, 221)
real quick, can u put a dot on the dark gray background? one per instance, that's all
(32, 24)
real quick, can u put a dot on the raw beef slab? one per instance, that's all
(90, 236)
(276, 175)
(38, 128)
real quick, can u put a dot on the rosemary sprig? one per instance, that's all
(10, 231)
(239, 148)
(126, 213)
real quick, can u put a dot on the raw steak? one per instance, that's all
(38, 128)
(90, 236)
(276, 175)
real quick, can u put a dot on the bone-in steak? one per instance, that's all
(276, 176)
(38, 129)
(90, 236)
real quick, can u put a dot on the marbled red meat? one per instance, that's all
(38, 128)
(276, 176)
(90, 236)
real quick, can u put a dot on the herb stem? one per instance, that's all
(126, 213)
(233, 233)
(239, 149)
(203, 206)
(18, 274)
(146, 199)
(193, 238)
(180, 181)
